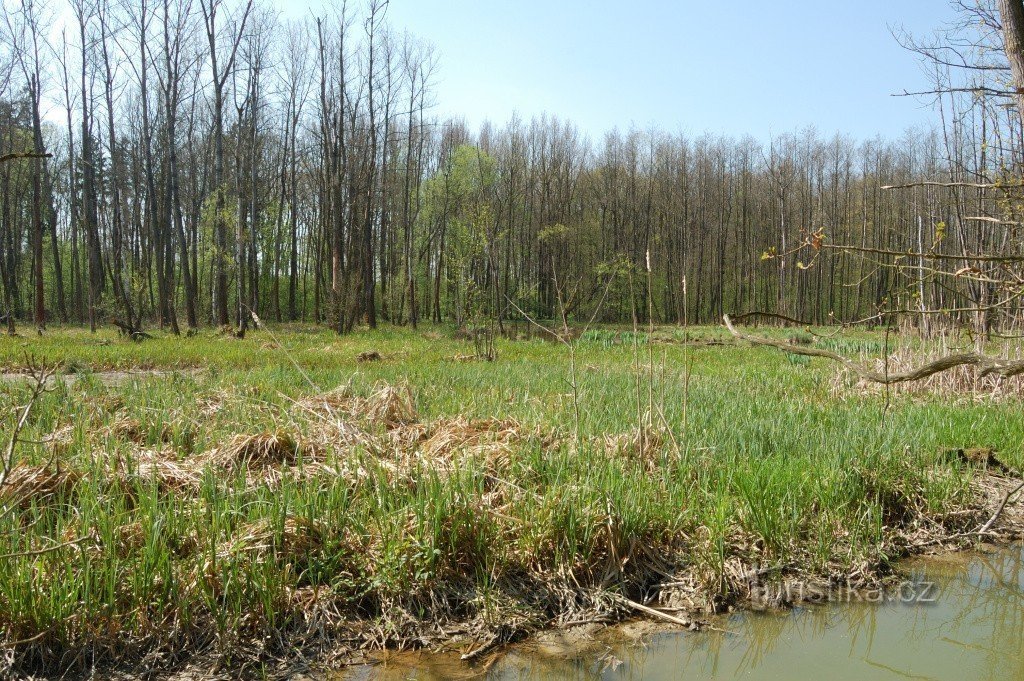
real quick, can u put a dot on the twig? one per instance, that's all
(284, 349)
(49, 549)
(40, 377)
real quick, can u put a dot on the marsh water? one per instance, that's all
(957, 617)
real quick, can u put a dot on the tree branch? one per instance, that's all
(988, 366)
(927, 256)
(950, 185)
(25, 154)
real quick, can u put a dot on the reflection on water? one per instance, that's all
(974, 629)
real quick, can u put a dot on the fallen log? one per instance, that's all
(129, 331)
(988, 366)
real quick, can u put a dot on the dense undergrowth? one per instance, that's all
(275, 492)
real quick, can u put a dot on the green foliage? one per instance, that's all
(458, 198)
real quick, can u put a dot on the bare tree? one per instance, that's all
(221, 70)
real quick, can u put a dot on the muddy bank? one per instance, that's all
(779, 624)
(951, 616)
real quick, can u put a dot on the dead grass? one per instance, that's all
(291, 541)
(258, 450)
(390, 405)
(384, 429)
(126, 428)
(329, 403)
(26, 486)
(444, 445)
(650, 448)
(129, 538)
(163, 466)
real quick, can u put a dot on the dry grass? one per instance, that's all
(390, 405)
(129, 539)
(291, 541)
(125, 428)
(649, 448)
(384, 429)
(329, 403)
(445, 444)
(170, 474)
(449, 436)
(61, 439)
(258, 450)
(26, 486)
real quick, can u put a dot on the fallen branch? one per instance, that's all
(948, 539)
(473, 654)
(639, 607)
(1006, 499)
(988, 366)
(127, 330)
(773, 315)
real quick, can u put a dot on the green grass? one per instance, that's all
(770, 468)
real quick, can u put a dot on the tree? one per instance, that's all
(221, 71)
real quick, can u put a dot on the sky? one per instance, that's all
(743, 67)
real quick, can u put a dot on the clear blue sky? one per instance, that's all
(750, 66)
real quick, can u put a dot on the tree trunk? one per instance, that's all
(1011, 13)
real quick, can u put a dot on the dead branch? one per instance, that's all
(48, 549)
(988, 366)
(639, 607)
(490, 645)
(1006, 498)
(976, 90)
(953, 185)
(995, 221)
(19, 155)
(926, 255)
(40, 376)
(772, 315)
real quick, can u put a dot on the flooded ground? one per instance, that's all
(958, 617)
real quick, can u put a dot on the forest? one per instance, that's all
(202, 162)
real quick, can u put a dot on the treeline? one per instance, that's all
(208, 162)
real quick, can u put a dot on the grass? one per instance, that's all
(242, 505)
